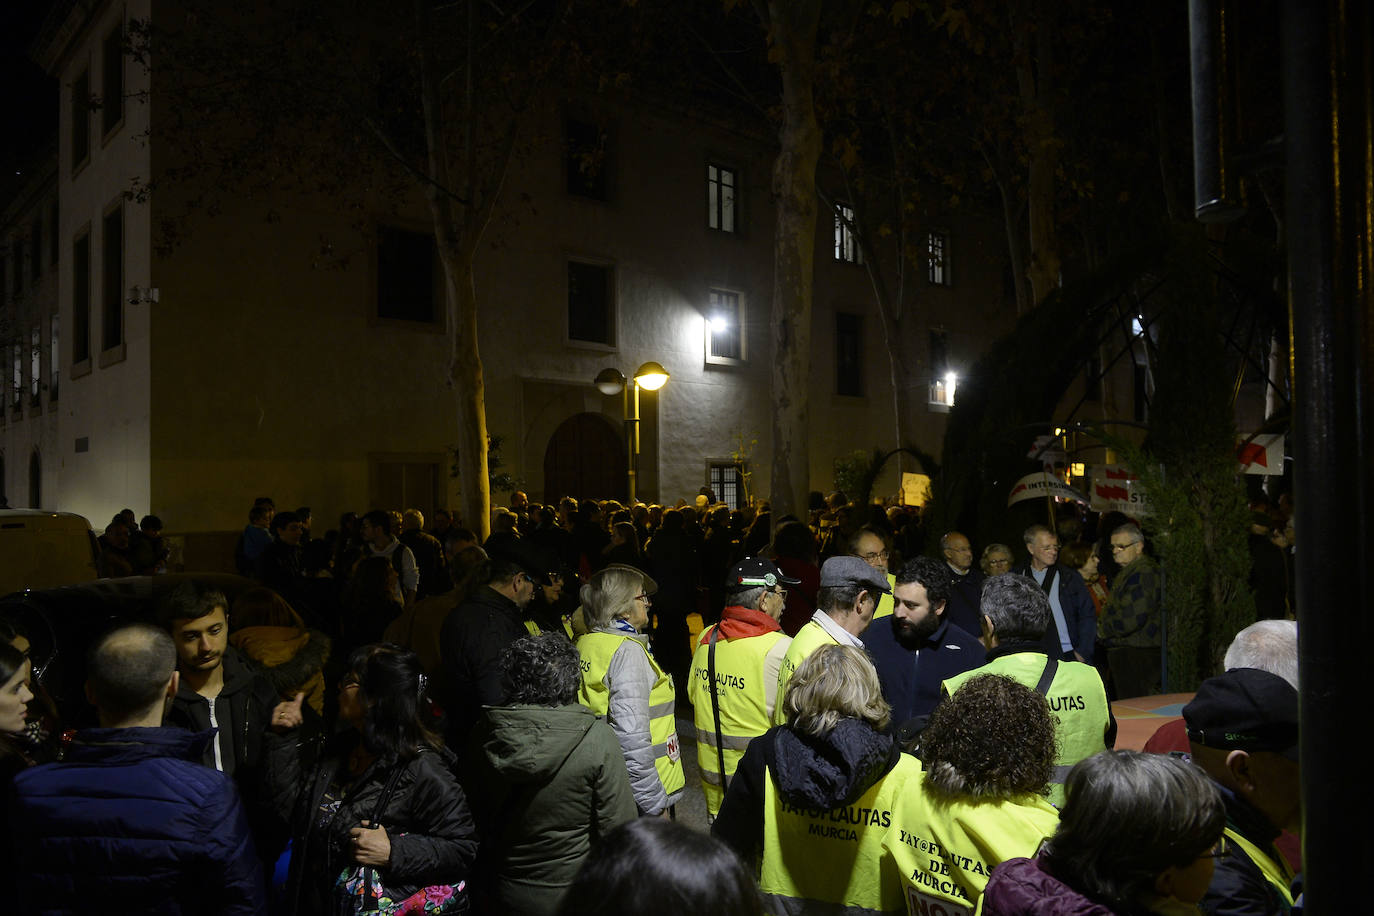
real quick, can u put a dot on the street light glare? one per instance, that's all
(651, 376)
(717, 324)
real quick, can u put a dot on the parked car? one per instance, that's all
(45, 549)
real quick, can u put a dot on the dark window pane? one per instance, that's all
(81, 299)
(405, 274)
(112, 280)
(588, 162)
(112, 80)
(589, 302)
(81, 118)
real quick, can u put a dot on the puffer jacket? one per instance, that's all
(130, 822)
(548, 784)
(426, 818)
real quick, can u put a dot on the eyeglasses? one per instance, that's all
(645, 598)
(1217, 851)
(999, 561)
(870, 557)
(1116, 547)
(780, 592)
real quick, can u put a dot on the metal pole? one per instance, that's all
(1327, 95)
(631, 437)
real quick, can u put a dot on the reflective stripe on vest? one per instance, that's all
(597, 650)
(833, 861)
(1077, 700)
(945, 850)
(885, 605)
(743, 704)
(808, 639)
(1275, 872)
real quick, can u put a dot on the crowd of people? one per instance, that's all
(397, 718)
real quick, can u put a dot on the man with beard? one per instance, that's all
(219, 691)
(916, 648)
(1016, 615)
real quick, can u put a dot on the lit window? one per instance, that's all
(721, 188)
(724, 331)
(727, 482)
(937, 259)
(942, 390)
(846, 245)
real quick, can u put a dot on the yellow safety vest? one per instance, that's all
(743, 700)
(885, 603)
(823, 860)
(1274, 867)
(597, 650)
(1076, 698)
(534, 630)
(808, 639)
(945, 850)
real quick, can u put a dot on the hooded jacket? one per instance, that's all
(549, 783)
(810, 772)
(291, 659)
(131, 819)
(243, 711)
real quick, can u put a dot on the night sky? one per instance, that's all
(30, 92)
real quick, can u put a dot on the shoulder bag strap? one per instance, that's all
(715, 705)
(1049, 579)
(369, 903)
(1047, 676)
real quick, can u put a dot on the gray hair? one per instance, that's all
(748, 597)
(610, 593)
(1130, 531)
(1269, 645)
(129, 668)
(838, 597)
(1018, 607)
(1033, 530)
(543, 670)
(834, 683)
(1128, 816)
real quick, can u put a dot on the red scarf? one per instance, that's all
(737, 622)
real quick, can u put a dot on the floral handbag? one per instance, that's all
(359, 888)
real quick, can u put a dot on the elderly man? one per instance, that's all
(734, 681)
(870, 545)
(1015, 616)
(130, 821)
(1130, 625)
(918, 647)
(845, 603)
(1073, 618)
(966, 583)
(1243, 732)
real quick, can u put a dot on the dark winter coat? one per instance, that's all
(548, 784)
(130, 822)
(243, 711)
(470, 642)
(1021, 887)
(426, 818)
(810, 772)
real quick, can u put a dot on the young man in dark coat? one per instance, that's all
(130, 821)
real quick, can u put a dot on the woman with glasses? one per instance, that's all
(380, 811)
(1138, 834)
(996, 559)
(622, 683)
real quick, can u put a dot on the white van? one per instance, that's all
(45, 549)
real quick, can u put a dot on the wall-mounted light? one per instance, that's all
(141, 294)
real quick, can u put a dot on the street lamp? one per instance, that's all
(651, 376)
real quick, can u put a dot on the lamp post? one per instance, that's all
(651, 376)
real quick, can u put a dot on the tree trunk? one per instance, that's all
(465, 377)
(792, 40)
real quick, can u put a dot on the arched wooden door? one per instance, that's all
(585, 459)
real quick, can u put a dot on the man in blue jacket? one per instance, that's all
(130, 821)
(1073, 630)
